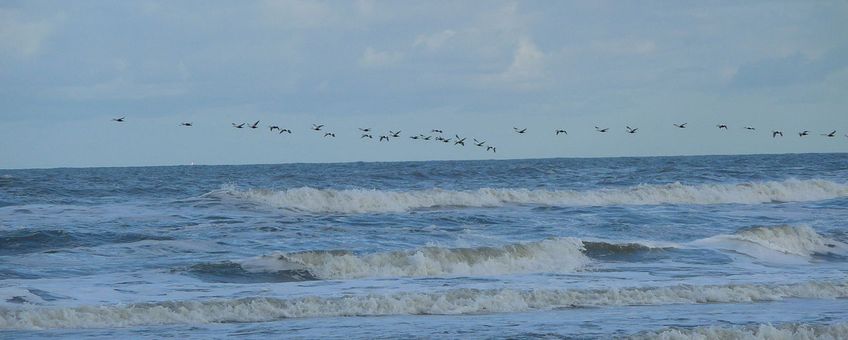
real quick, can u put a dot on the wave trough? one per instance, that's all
(313, 200)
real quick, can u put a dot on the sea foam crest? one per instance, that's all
(763, 242)
(457, 301)
(753, 332)
(365, 200)
(551, 255)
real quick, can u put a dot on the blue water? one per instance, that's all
(520, 248)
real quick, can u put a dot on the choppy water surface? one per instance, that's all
(629, 247)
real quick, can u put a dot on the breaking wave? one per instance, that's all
(753, 332)
(766, 242)
(551, 255)
(458, 301)
(369, 201)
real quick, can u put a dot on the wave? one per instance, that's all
(457, 301)
(753, 332)
(25, 241)
(551, 255)
(777, 243)
(376, 201)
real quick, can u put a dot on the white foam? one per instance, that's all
(776, 242)
(554, 255)
(762, 331)
(365, 200)
(458, 301)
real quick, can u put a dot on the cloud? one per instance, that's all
(625, 47)
(526, 72)
(374, 58)
(435, 40)
(22, 37)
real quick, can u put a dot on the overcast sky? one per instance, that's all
(474, 68)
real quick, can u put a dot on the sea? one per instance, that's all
(705, 247)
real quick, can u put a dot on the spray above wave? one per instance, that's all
(550, 255)
(776, 242)
(365, 201)
(459, 301)
(754, 332)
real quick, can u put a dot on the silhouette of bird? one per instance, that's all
(394, 134)
(446, 140)
(186, 124)
(775, 133)
(459, 141)
(427, 138)
(601, 130)
(365, 129)
(436, 131)
(478, 143)
(750, 128)
(317, 127)
(492, 148)
(414, 137)
(520, 130)
(631, 130)
(803, 133)
(832, 134)
(119, 120)
(255, 125)
(558, 131)
(682, 126)
(366, 136)
(273, 127)
(330, 134)
(238, 126)
(285, 130)
(384, 138)
(722, 126)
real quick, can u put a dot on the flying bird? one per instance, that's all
(394, 134)
(520, 130)
(186, 124)
(238, 126)
(601, 130)
(427, 138)
(384, 137)
(436, 131)
(775, 133)
(366, 136)
(749, 128)
(255, 125)
(558, 131)
(478, 143)
(414, 137)
(317, 127)
(492, 148)
(330, 134)
(273, 127)
(803, 133)
(285, 130)
(119, 120)
(831, 134)
(631, 130)
(682, 126)
(722, 126)
(365, 129)
(460, 141)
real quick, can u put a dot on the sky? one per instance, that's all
(473, 68)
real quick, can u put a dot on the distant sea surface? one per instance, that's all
(713, 246)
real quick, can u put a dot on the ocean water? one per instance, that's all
(665, 247)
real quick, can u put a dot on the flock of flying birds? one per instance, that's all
(437, 134)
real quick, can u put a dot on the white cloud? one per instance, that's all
(527, 70)
(435, 40)
(374, 58)
(20, 36)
